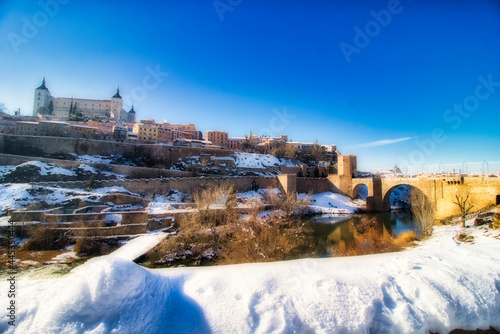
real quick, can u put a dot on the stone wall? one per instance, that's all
(129, 171)
(312, 184)
(287, 183)
(482, 193)
(148, 187)
(303, 171)
(157, 155)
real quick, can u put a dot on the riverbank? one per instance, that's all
(441, 285)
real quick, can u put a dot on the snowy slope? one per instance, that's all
(19, 195)
(329, 202)
(439, 286)
(45, 168)
(254, 160)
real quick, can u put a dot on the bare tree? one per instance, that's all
(423, 211)
(465, 205)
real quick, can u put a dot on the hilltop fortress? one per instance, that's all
(45, 104)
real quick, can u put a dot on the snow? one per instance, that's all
(114, 189)
(163, 203)
(138, 246)
(439, 286)
(249, 195)
(97, 159)
(110, 174)
(47, 168)
(257, 197)
(19, 195)
(254, 160)
(329, 202)
(90, 169)
(4, 221)
(87, 168)
(15, 196)
(5, 169)
(64, 257)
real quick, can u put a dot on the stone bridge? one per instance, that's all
(441, 191)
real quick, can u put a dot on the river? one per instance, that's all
(329, 230)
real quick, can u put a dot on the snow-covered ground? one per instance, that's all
(93, 170)
(45, 168)
(255, 160)
(4, 169)
(98, 159)
(329, 202)
(250, 198)
(19, 195)
(165, 203)
(37, 168)
(439, 286)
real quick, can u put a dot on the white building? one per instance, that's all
(45, 104)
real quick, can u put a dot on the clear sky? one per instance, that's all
(412, 83)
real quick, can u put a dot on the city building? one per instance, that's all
(234, 144)
(147, 130)
(61, 107)
(150, 131)
(27, 128)
(301, 147)
(120, 133)
(219, 138)
(169, 132)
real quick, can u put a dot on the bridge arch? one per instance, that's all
(386, 195)
(355, 189)
(357, 183)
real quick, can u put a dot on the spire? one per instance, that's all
(132, 111)
(42, 86)
(117, 94)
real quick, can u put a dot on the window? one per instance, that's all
(39, 97)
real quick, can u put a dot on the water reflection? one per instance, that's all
(329, 230)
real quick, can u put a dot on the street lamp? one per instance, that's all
(444, 169)
(465, 167)
(424, 165)
(485, 162)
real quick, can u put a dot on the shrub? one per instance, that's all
(496, 220)
(46, 238)
(422, 210)
(288, 203)
(273, 239)
(93, 246)
(202, 233)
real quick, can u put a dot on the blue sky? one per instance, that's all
(377, 78)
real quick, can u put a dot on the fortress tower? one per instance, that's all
(42, 99)
(117, 105)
